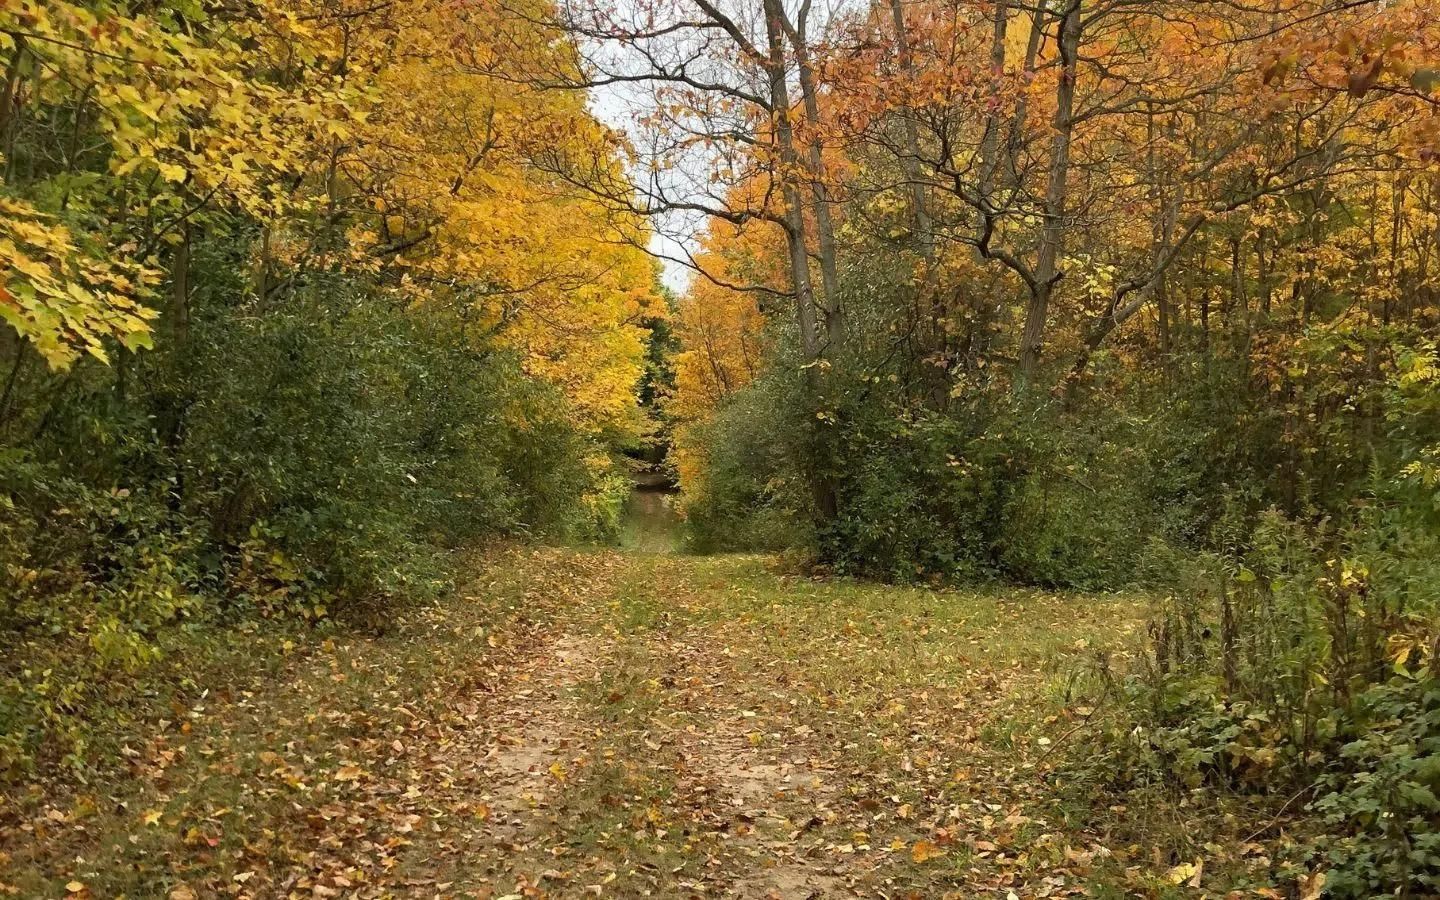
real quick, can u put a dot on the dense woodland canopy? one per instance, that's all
(1085, 293)
(293, 309)
(1077, 294)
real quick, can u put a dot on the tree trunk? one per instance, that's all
(794, 218)
(929, 305)
(180, 285)
(910, 164)
(822, 486)
(8, 98)
(819, 188)
(1052, 242)
(990, 143)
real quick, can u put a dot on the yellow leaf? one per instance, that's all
(924, 851)
(1187, 872)
(75, 887)
(151, 817)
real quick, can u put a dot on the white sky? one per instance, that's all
(674, 237)
(696, 159)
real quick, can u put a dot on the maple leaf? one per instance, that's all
(924, 851)
(1187, 873)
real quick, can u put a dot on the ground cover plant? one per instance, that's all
(894, 448)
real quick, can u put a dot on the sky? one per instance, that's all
(675, 237)
(692, 169)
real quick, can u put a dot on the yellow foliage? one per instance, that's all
(453, 151)
(720, 330)
(60, 298)
(401, 128)
(186, 123)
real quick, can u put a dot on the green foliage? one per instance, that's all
(1300, 661)
(317, 455)
(754, 496)
(911, 507)
(1288, 528)
(1382, 799)
(92, 577)
(993, 488)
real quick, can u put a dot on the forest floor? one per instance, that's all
(582, 722)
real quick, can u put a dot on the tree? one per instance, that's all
(731, 103)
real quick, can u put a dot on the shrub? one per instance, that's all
(316, 459)
(750, 490)
(1383, 798)
(1300, 665)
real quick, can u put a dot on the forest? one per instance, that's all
(744, 448)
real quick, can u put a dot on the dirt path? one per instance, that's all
(613, 724)
(711, 728)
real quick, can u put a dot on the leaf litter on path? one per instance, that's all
(592, 723)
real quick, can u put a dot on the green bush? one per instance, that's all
(1301, 664)
(1384, 797)
(754, 496)
(988, 490)
(318, 456)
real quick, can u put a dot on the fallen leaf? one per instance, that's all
(924, 851)
(1187, 872)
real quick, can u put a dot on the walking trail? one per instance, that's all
(618, 724)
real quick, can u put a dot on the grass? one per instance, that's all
(720, 724)
(242, 740)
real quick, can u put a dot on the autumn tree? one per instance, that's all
(1036, 204)
(294, 307)
(1086, 114)
(726, 105)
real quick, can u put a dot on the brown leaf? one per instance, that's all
(1312, 886)
(924, 851)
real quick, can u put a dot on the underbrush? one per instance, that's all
(1289, 691)
(993, 487)
(315, 462)
(742, 488)
(216, 759)
(1298, 678)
